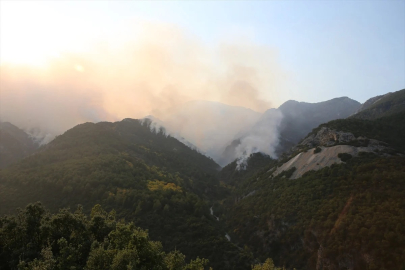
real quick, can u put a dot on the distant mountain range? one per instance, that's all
(334, 200)
(226, 133)
(296, 120)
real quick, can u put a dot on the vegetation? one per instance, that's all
(267, 265)
(148, 178)
(344, 156)
(255, 163)
(349, 211)
(388, 105)
(389, 129)
(15, 144)
(36, 239)
(317, 150)
(348, 215)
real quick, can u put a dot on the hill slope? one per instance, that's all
(381, 106)
(149, 178)
(343, 212)
(15, 144)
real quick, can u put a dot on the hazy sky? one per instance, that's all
(326, 48)
(66, 62)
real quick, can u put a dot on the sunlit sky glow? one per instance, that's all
(325, 49)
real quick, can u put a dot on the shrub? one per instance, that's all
(344, 156)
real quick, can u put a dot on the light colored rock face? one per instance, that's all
(306, 161)
(332, 143)
(327, 137)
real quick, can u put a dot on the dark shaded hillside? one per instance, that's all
(129, 135)
(15, 144)
(255, 163)
(382, 106)
(347, 215)
(149, 178)
(389, 129)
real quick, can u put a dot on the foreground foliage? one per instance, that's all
(36, 239)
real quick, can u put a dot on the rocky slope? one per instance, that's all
(325, 147)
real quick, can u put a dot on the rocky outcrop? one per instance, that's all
(322, 149)
(329, 137)
(309, 160)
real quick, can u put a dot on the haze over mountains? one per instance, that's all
(226, 133)
(332, 200)
(202, 135)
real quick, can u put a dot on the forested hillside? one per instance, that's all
(345, 216)
(15, 144)
(150, 179)
(386, 105)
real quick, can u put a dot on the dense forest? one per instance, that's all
(37, 239)
(147, 177)
(348, 211)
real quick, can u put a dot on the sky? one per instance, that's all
(67, 62)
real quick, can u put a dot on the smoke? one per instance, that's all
(210, 126)
(263, 137)
(154, 72)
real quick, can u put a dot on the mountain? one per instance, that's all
(149, 178)
(299, 118)
(15, 144)
(380, 106)
(288, 124)
(334, 202)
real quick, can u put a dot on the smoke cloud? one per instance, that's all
(153, 73)
(262, 137)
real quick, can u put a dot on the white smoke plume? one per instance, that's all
(157, 126)
(153, 73)
(263, 137)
